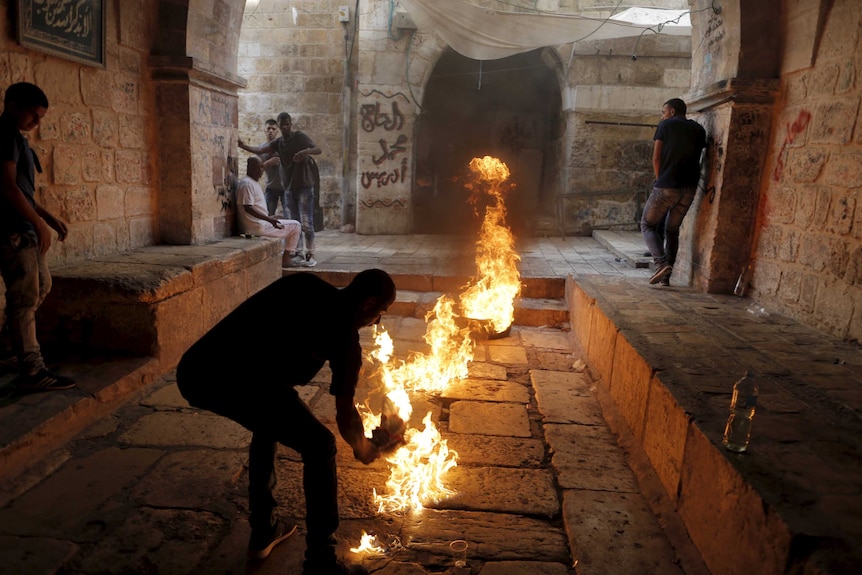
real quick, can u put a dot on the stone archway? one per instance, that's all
(508, 108)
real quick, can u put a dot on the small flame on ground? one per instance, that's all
(368, 545)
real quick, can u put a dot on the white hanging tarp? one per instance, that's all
(485, 34)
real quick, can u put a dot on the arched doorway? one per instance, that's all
(508, 108)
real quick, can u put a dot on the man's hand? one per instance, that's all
(276, 224)
(58, 225)
(43, 232)
(365, 451)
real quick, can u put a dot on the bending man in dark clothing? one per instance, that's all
(676, 163)
(261, 395)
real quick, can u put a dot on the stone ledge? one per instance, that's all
(668, 359)
(154, 301)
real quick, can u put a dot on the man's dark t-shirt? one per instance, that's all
(14, 148)
(295, 177)
(264, 343)
(682, 141)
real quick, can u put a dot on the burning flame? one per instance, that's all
(368, 545)
(492, 297)
(417, 468)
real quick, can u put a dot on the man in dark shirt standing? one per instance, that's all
(257, 392)
(25, 236)
(676, 163)
(275, 191)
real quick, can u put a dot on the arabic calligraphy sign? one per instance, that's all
(73, 29)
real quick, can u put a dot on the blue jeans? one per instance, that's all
(28, 281)
(301, 205)
(273, 195)
(668, 206)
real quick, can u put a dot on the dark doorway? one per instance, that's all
(508, 108)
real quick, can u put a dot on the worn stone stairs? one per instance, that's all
(541, 303)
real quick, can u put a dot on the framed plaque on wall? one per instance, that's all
(73, 29)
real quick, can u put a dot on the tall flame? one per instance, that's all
(492, 297)
(417, 469)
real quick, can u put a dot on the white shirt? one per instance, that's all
(249, 193)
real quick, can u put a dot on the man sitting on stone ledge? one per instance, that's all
(254, 219)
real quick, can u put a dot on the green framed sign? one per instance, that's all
(73, 29)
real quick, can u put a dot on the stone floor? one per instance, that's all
(157, 487)
(541, 483)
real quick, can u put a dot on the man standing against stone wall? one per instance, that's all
(676, 163)
(294, 148)
(275, 190)
(25, 236)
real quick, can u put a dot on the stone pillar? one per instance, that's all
(385, 164)
(716, 237)
(197, 118)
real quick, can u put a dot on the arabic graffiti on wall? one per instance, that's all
(391, 163)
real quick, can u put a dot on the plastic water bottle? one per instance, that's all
(737, 432)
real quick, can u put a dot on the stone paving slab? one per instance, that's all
(494, 536)
(523, 568)
(64, 501)
(496, 451)
(487, 390)
(482, 418)
(564, 397)
(587, 457)
(502, 490)
(31, 555)
(628, 539)
(200, 428)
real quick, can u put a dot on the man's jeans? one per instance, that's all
(274, 416)
(301, 204)
(273, 195)
(28, 281)
(668, 205)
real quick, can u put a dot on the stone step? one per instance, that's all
(531, 287)
(533, 312)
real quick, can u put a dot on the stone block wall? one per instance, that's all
(94, 143)
(808, 255)
(293, 55)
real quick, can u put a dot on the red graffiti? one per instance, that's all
(793, 130)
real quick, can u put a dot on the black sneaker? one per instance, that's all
(665, 281)
(43, 380)
(260, 545)
(661, 272)
(337, 568)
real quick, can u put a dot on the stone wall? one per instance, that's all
(808, 256)
(293, 55)
(95, 141)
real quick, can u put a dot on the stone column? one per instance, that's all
(197, 118)
(385, 164)
(716, 237)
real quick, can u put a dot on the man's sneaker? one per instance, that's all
(261, 544)
(43, 380)
(309, 261)
(337, 568)
(295, 261)
(665, 281)
(661, 272)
